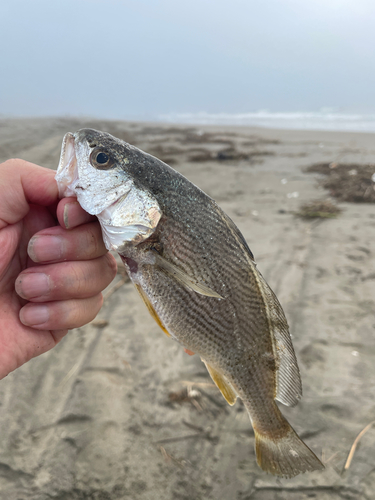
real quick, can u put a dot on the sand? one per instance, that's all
(119, 411)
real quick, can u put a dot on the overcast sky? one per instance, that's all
(143, 58)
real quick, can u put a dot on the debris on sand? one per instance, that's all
(99, 323)
(165, 153)
(318, 209)
(171, 459)
(355, 444)
(115, 287)
(348, 182)
(185, 395)
(222, 155)
(227, 154)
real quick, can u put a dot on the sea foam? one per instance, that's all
(322, 120)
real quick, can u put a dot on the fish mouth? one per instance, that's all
(67, 171)
(69, 178)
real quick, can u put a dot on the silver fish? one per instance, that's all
(198, 278)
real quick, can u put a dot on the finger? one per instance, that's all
(61, 315)
(70, 213)
(28, 344)
(66, 280)
(56, 244)
(22, 183)
(58, 335)
(37, 219)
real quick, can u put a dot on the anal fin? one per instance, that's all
(223, 385)
(151, 309)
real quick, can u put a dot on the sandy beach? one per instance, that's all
(119, 411)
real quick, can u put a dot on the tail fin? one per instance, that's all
(286, 456)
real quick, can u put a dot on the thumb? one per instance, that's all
(22, 183)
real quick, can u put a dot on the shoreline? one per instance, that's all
(196, 124)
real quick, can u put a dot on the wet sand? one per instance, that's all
(119, 411)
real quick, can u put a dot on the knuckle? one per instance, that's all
(91, 307)
(100, 301)
(12, 162)
(111, 264)
(92, 241)
(85, 310)
(73, 279)
(76, 315)
(79, 279)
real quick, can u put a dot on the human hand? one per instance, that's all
(51, 277)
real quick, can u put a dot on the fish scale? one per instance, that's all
(197, 276)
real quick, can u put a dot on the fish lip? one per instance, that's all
(67, 171)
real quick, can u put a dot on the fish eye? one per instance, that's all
(101, 159)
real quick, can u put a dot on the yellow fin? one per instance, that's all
(224, 386)
(285, 456)
(151, 309)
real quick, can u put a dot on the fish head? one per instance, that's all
(93, 167)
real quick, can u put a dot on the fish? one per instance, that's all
(196, 274)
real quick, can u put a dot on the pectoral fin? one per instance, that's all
(224, 386)
(151, 309)
(184, 279)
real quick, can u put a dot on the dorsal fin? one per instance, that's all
(232, 226)
(288, 379)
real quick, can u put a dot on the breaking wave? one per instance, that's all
(296, 121)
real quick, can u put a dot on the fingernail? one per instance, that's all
(34, 315)
(67, 209)
(74, 215)
(32, 285)
(45, 248)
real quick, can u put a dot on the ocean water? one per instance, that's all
(322, 120)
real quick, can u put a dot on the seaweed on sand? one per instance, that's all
(348, 182)
(318, 209)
